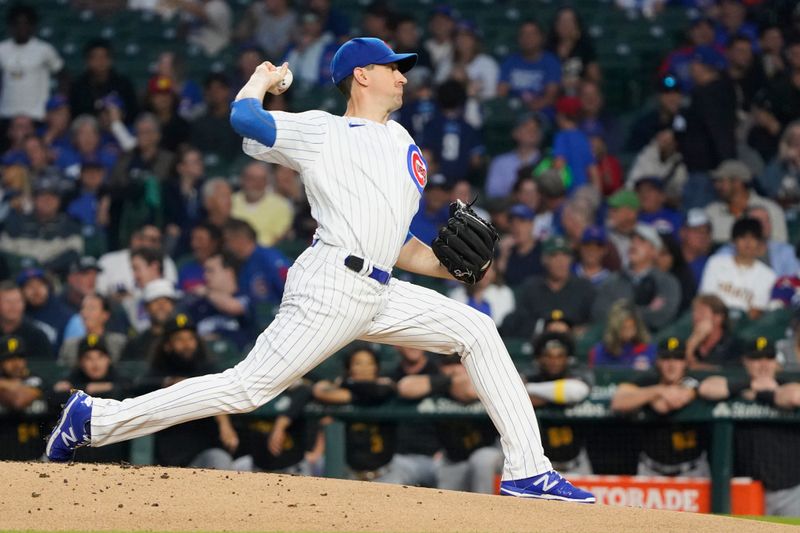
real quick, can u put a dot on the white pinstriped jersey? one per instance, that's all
(363, 179)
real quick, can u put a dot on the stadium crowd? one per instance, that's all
(665, 244)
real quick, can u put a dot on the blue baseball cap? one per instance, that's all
(363, 51)
(56, 101)
(29, 274)
(521, 211)
(594, 234)
(709, 57)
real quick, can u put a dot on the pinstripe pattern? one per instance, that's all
(363, 198)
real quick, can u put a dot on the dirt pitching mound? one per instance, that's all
(86, 497)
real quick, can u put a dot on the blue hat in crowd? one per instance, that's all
(521, 211)
(30, 273)
(594, 234)
(709, 56)
(363, 51)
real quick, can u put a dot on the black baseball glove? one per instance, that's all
(465, 245)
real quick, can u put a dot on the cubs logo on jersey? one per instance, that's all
(417, 167)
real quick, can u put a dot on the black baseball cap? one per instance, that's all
(12, 346)
(557, 315)
(92, 342)
(672, 348)
(83, 264)
(553, 340)
(179, 322)
(759, 348)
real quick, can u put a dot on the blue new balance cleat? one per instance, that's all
(72, 430)
(547, 486)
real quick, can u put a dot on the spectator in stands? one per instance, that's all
(519, 257)
(771, 45)
(46, 236)
(525, 190)
(595, 120)
(623, 212)
(311, 51)
(695, 240)
(270, 214)
(162, 101)
(434, 209)
(553, 194)
(626, 341)
(208, 23)
(609, 168)
(656, 295)
(183, 199)
(370, 446)
(218, 307)
(37, 159)
(571, 148)
(471, 459)
(263, 270)
(558, 288)
(100, 80)
(709, 137)
(16, 191)
(269, 24)
(212, 133)
(764, 451)
(88, 203)
(669, 448)
(92, 369)
(81, 280)
(148, 266)
(115, 278)
(670, 259)
(249, 58)
(27, 64)
(678, 63)
(335, 21)
(206, 241)
(55, 130)
(710, 344)
(745, 72)
(742, 281)
(203, 443)
(86, 145)
(527, 135)
(279, 443)
(93, 319)
(781, 179)
(780, 256)
(732, 22)
(788, 348)
(377, 21)
(18, 388)
(13, 322)
(217, 201)
(406, 39)
(440, 46)
(490, 296)
(19, 128)
(532, 74)
(555, 383)
(661, 158)
(479, 71)
(569, 41)
(457, 146)
(592, 250)
(733, 180)
(160, 300)
(42, 308)
(668, 107)
(652, 205)
(172, 65)
(577, 214)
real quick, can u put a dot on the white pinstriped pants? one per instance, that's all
(325, 307)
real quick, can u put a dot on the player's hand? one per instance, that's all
(264, 79)
(763, 383)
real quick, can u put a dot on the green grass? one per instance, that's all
(791, 520)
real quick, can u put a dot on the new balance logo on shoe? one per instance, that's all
(69, 437)
(544, 481)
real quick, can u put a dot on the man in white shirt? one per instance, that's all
(27, 63)
(741, 280)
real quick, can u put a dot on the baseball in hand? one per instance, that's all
(284, 84)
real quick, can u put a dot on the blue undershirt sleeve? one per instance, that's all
(249, 120)
(409, 236)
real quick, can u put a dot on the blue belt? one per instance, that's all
(356, 264)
